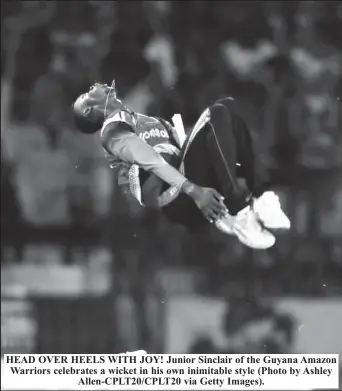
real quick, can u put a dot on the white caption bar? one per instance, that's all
(170, 372)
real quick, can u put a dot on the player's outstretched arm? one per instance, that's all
(121, 141)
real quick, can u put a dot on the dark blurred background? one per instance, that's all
(84, 268)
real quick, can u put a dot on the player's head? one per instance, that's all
(91, 108)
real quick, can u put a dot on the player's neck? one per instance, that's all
(113, 109)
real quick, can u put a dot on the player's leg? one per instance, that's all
(249, 166)
(210, 161)
(198, 170)
(266, 204)
(222, 151)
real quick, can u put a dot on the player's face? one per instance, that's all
(98, 93)
(95, 97)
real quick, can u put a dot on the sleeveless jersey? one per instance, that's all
(153, 131)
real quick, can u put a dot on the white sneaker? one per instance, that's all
(268, 210)
(247, 229)
(225, 223)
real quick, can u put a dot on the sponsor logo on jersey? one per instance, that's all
(154, 133)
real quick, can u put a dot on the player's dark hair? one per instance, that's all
(86, 125)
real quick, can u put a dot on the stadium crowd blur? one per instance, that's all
(281, 61)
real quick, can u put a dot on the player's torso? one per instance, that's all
(150, 129)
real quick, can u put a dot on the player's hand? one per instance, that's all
(209, 201)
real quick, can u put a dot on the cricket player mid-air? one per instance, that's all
(193, 182)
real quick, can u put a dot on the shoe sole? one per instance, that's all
(244, 240)
(227, 231)
(220, 225)
(271, 226)
(277, 227)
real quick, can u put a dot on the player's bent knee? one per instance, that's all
(219, 113)
(226, 101)
(218, 109)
